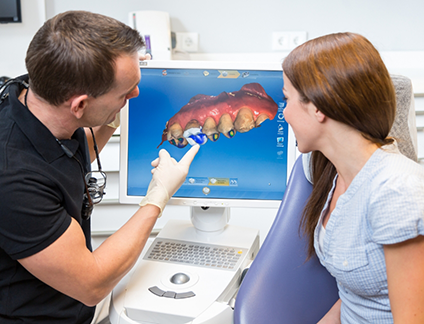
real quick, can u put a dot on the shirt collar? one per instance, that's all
(38, 134)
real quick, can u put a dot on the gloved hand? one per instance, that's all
(144, 57)
(168, 176)
(117, 122)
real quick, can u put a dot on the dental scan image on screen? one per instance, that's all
(235, 114)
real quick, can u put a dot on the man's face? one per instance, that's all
(103, 109)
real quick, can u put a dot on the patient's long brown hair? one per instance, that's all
(344, 76)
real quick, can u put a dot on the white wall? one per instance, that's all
(237, 26)
(246, 25)
(15, 38)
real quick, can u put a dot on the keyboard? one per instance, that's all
(195, 254)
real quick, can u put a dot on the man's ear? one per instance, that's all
(78, 105)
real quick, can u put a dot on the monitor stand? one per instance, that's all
(147, 294)
(210, 219)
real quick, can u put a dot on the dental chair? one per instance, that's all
(281, 286)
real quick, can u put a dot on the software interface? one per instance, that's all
(235, 162)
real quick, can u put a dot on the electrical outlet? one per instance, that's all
(286, 41)
(187, 42)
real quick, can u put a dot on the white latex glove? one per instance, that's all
(144, 57)
(168, 176)
(117, 122)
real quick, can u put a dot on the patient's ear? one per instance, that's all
(78, 105)
(320, 116)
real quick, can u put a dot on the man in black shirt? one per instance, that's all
(82, 68)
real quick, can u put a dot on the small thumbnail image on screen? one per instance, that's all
(236, 116)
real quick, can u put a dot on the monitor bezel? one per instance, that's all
(12, 19)
(292, 152)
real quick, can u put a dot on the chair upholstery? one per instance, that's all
(280, 286)
(404, 128)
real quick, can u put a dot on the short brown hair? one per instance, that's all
(344, 76)
(74, 53)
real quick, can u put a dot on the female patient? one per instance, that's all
(365, 217)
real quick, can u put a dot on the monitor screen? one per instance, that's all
(236, 107)
(10, 11)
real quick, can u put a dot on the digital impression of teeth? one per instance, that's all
(206, 117)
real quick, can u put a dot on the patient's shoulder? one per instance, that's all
(396, 171)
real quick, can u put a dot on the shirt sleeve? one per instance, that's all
(397, 206)
(32, 215)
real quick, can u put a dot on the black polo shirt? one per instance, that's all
(41, 188)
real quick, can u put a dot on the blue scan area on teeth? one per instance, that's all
(199, 138)
(195, 136)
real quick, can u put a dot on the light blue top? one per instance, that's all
(384, 204)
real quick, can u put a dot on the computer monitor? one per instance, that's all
(10, 11)
(243, 163)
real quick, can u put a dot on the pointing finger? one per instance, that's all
(189, 156)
